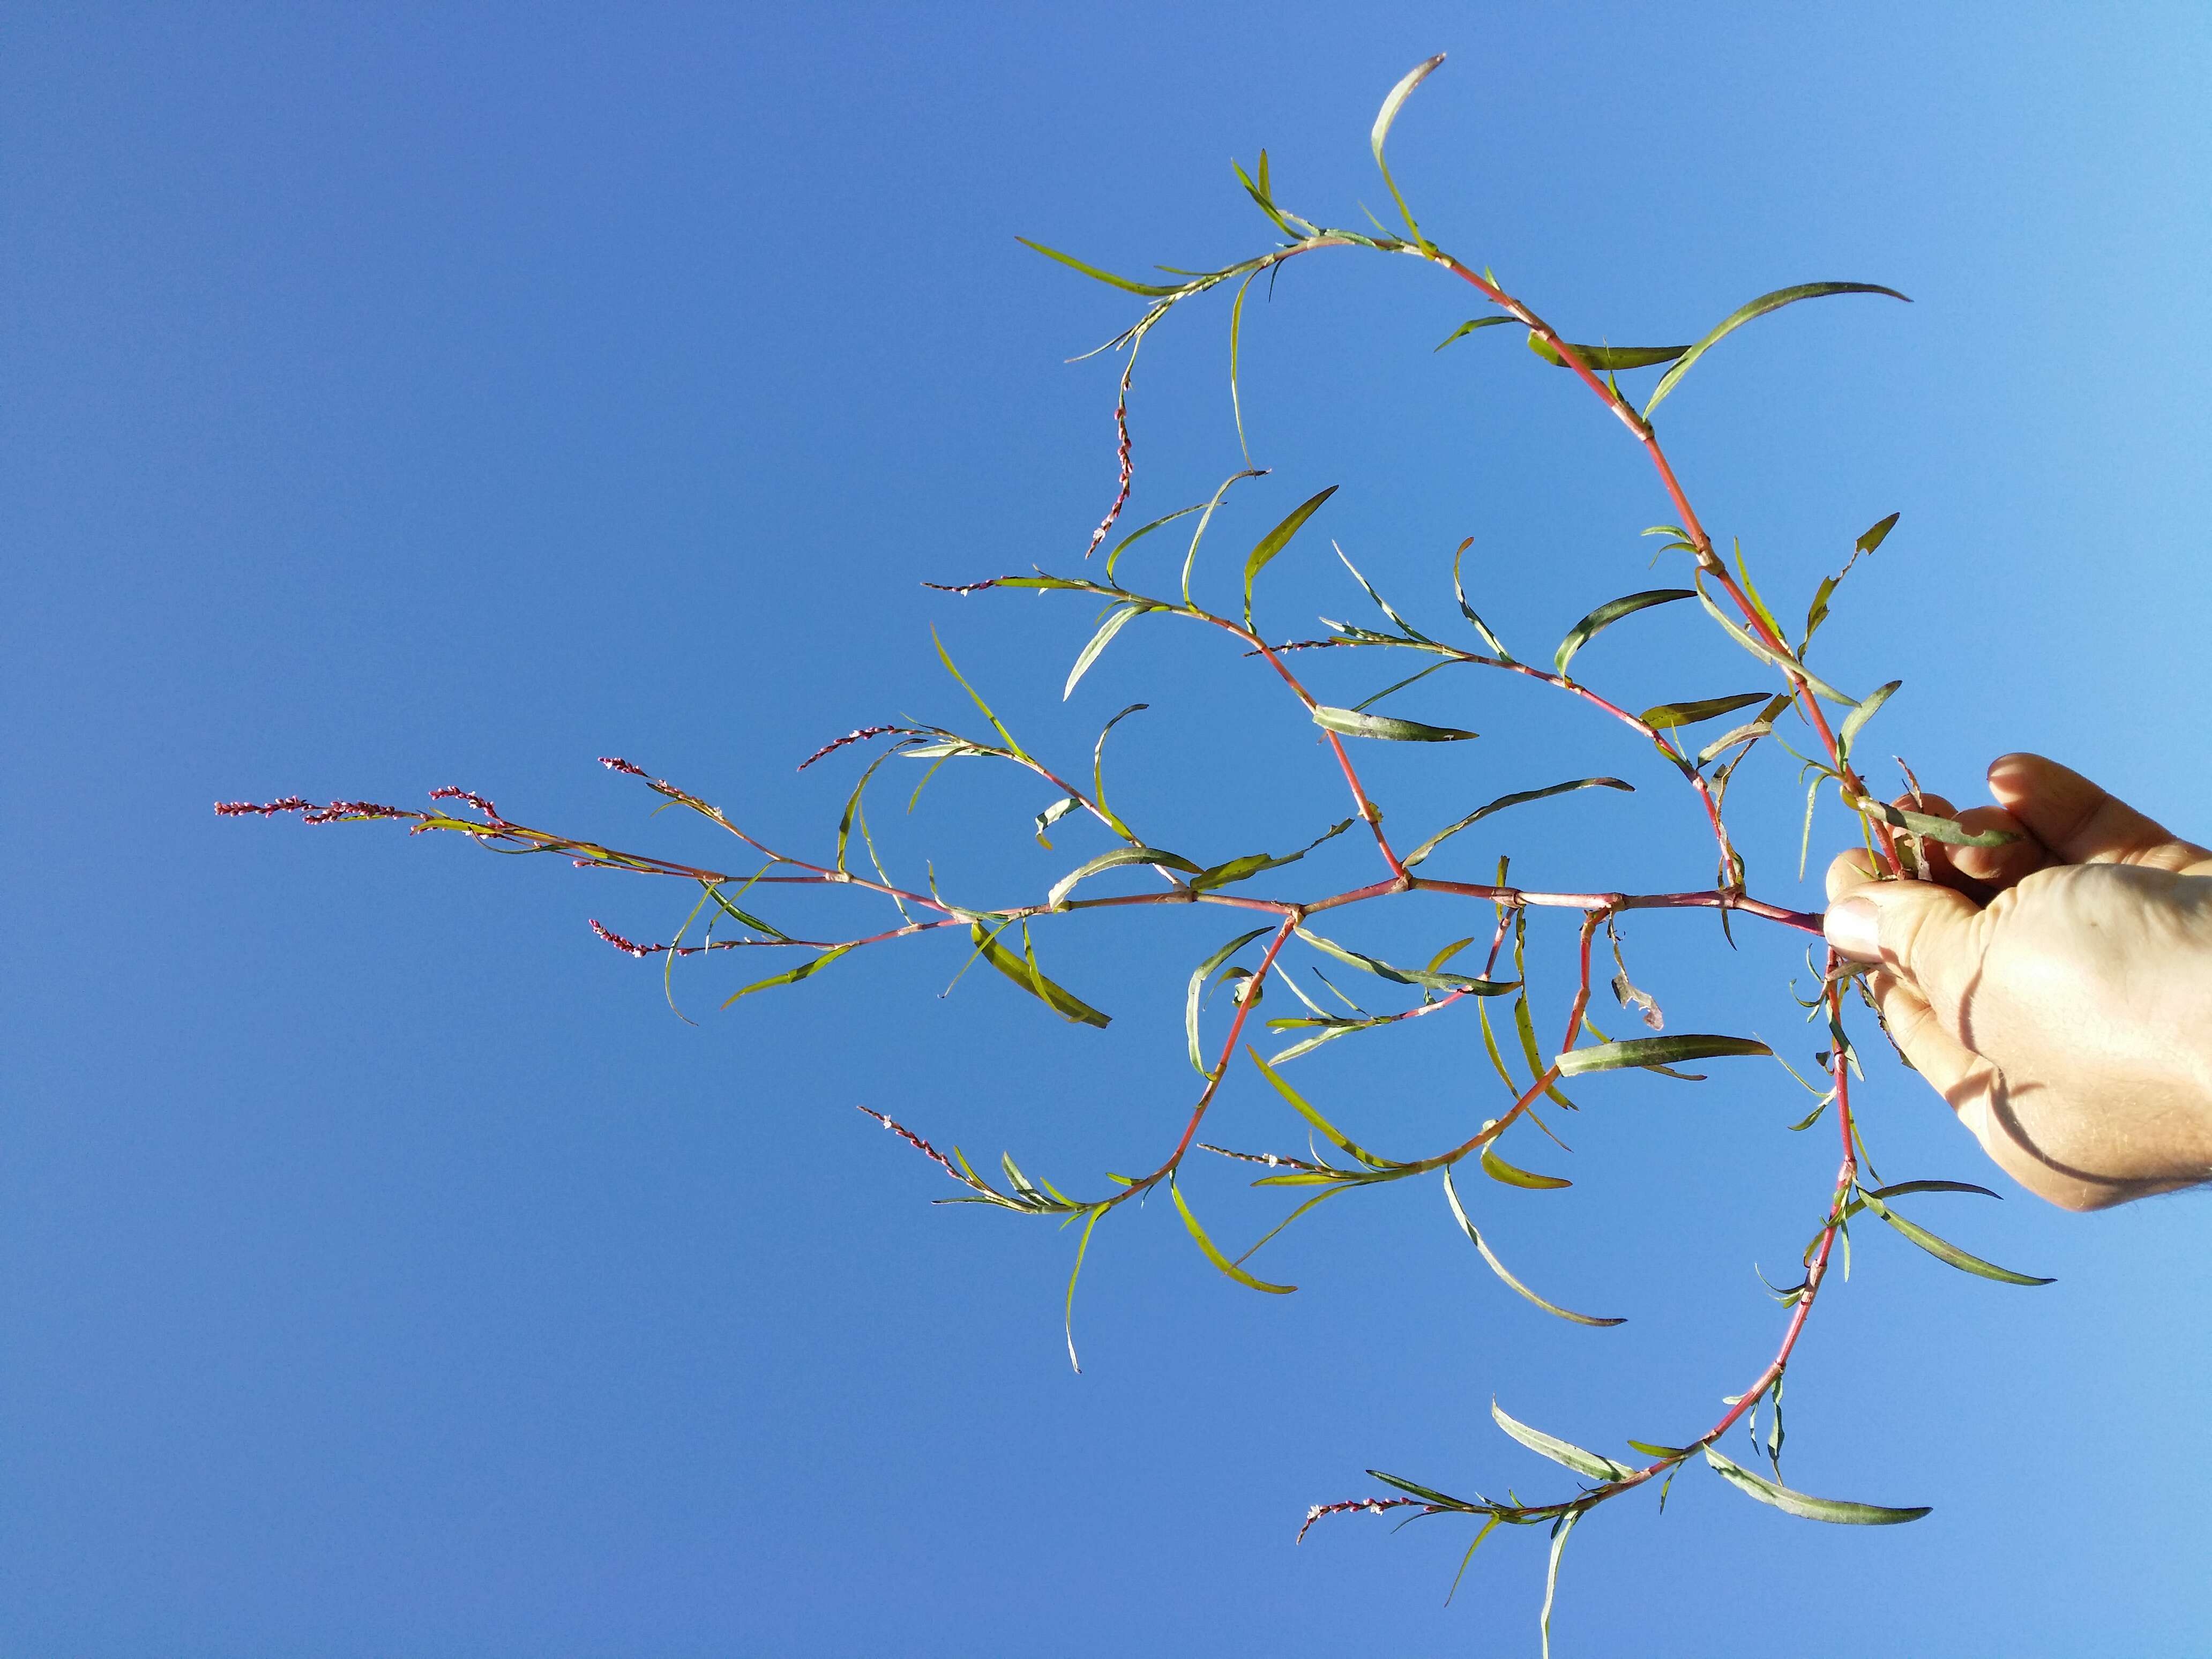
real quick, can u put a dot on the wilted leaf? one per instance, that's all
(1468, 610)
(1610, 612)
(1924, 824)
(1811, 1508)
(1654, 1051)
(1052, 815)
(1875, 534)
(1352, 723)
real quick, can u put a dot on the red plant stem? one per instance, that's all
(1709, 561)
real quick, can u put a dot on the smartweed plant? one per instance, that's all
(1464, 978)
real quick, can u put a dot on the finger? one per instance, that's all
(2078, 822)
(1971, 1084)
(1989, 868)
(1923, 932)
(1848, 871)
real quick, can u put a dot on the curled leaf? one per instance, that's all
(1212, 1251)
(1499, 1170)
(1745, 314)
(1605, 358)
(1609, 613)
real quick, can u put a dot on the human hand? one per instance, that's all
(2057, 989)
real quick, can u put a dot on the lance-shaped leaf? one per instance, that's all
(1467, 328)
(1926, 823)
(1489, 1259)
(1428, 978)
(1757, 308)
(1275, 541)
(1809, 1508)
(1604, 358)
(1875, 534)
(1468, 610)
(1331, 1030)
(1654, 1051)
(1609, 613)
(1150, 290)
(1426, 1494)
(1944, 1251)
(1203, 972)
(1336, 1136)
(1499, 1170)
(1351, 723)
(795, 975)
(1024, 972)
(1214, 1252)
(1114, 860)
(1116, 619)
(1380, 132)
(1859, 716)
(1592, 1464)
(1669, 714)
(1252, 864)
(1767, 653)
(1560, 1528)
(1500, 804)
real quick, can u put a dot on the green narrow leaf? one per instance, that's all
(1380, 131)
(1761, 725)
(1560, 1528)
(1490, 1257)
(1669, 715)
(1150, 290)
(1924, 824)
(1482, 1532)
(1024, 972)
(1199, 976)
(1859, 715)
(1081, 1248)
(1426, 1494)
(1592, 1464)
(945, 657)
(1757, 308)
(1213, 1252)
(1656, 1050)
(1336, 1137)
(1098, 761)
(1811, 1508)
(1143, 531)
(792, 978)
(1275, 541)
(1468, 610)
(1650, 1450)
(1351, 723)
(1467, 328)
(1876, 534)
(1116, 619)
(1252, 864)
(853, 805)
(1500, 805)
(1605, 359)
(1767, 653)
(1427, 978)
(1114, 860)
(1499, 1170)
(1944, 1251)
(1610, 612)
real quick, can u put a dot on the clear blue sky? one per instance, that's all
(398, 397)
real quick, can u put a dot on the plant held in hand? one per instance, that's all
(1486, 984)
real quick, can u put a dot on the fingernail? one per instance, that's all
(1854, 928)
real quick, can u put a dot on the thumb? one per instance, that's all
(1926, 934)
